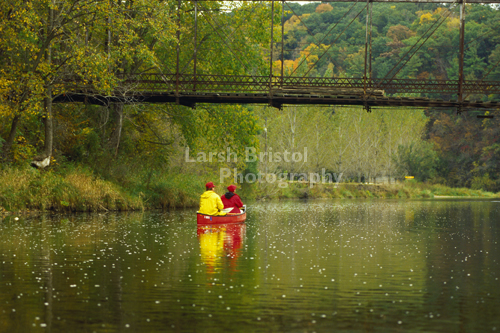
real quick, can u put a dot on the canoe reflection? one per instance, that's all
(220, 241)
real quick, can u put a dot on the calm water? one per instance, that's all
(316, 266)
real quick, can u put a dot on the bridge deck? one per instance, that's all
(188, 89)
(276, 99)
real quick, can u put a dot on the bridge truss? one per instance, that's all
(188, 85)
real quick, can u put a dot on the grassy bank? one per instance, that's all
(406, 190)
(79, 190)
(76, 190)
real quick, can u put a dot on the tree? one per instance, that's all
(418, 160)
(40, 41)
(323, 8)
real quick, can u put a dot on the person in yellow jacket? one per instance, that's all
(210, 202)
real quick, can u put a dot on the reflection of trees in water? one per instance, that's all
(59, 262)
(376, 261)
(396, 250)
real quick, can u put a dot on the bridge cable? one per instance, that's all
(324, 37)
(401, 59)
(484, 77)
(479, 38)
(225, 42)
(307, 28)
(329, 47)
(183, 70)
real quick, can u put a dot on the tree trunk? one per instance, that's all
(265, 148)
(43, 160)
(49, 128)
(114, 142)
(12, 136)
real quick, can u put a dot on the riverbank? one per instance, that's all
(79, 190)
(404, 190)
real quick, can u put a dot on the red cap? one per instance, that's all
(231, 188)
(209, 185)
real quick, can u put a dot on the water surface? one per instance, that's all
(315, 266)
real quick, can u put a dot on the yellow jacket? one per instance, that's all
(211, 204)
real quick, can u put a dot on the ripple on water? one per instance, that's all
(306, 266)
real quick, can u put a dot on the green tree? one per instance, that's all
(418, 160)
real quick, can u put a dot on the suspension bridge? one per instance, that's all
(184, 84)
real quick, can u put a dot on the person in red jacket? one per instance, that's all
(232, 200)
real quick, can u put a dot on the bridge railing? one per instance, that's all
(263, 84)
(188, 83)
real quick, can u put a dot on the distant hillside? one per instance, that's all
(330, 38)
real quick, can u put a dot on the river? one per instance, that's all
(294, 266)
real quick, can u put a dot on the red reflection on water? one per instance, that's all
(221, 241)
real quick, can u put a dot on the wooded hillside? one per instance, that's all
(47, 46)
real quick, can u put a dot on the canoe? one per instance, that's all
(226, 219)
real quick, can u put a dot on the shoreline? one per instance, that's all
(407, 190)
(36, 212)
(27, 191)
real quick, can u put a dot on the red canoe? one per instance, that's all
(226, 219)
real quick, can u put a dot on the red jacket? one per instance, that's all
(231, 199)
